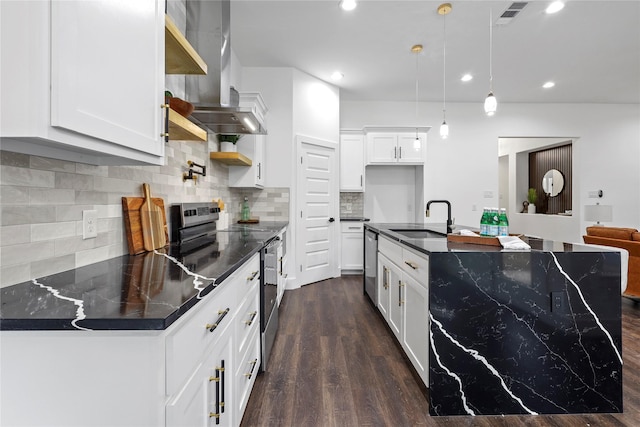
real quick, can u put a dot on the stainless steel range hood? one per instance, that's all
(217, 104)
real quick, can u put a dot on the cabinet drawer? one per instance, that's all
(248, 366)
(352, 227)
(390, 249)
(247, 320)
(246, 277)
(416, 265)
(187, 344)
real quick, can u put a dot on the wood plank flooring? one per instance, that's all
(335, 363)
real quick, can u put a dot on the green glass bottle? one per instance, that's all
(245, 213)
(484, 223)
(503, 223)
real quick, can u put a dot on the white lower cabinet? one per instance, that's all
(352, 239)
(204, 401)
(403, 300)
(415, 321)
(198, 372)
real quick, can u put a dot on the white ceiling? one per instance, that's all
(590, 49)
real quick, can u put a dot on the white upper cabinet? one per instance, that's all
(84, 80)
(391, 147)
(251, 146)
(352, 162)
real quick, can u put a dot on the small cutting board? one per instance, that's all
(151, 217)
(133, 223)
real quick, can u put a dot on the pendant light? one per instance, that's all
(444, 10)
(490, 104)
(416, 48)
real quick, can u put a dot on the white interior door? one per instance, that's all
(317, 206)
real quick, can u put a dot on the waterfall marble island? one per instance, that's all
(512, 332)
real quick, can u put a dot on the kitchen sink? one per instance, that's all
(419, 234)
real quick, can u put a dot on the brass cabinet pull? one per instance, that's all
(400, 285)
(253, 276)
(400, 152)
(251, 318)
(221, 315)
(412, 264)
(385, 277)
(219, 380)
(253, 366)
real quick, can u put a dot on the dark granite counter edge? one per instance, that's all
(137, 324)
(353, 219)
(418, 244)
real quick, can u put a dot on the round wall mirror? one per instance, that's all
(553, 182)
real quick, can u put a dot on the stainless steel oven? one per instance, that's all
(268, 297)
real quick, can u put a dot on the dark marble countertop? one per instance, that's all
(133, 292)
(437, 242)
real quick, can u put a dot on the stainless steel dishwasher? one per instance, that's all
(371, 264)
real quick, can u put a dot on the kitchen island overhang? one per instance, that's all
(521, 332)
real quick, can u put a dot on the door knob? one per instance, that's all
(331, 219)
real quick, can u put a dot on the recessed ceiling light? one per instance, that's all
(548, 85)
(466, 78)
(348, 4)
(337, 75)
(554, 7)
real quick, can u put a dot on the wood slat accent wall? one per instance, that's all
(552, 158)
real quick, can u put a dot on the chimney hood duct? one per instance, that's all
(216, 102)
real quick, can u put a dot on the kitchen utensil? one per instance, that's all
(152, 222)
(133, 224)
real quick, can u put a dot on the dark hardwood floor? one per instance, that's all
(335, 363)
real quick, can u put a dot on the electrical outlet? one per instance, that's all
(348, 207)
(89, 224)
(488, 194)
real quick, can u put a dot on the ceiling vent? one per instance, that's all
(511, 12)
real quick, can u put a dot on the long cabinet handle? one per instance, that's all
(219, 380)
(251, 318)
(253, 276)
(281, 266)
(360, 180)
(165, 134)
(253, 366)
(395, 152)
(400, 285)
(400, 152)
(412, 264)
(221, 315)
(385, 277)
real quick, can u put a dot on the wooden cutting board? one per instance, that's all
(133, 223)
(151, 217)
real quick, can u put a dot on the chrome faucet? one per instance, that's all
(449, 222)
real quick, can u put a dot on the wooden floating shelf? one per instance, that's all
(180, 56)
(183, 129)
(230, 158)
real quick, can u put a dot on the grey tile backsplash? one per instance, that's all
(351, 204)
(41, 204)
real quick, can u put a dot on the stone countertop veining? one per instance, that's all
(519, 332)
(440, 244)
(148, 291)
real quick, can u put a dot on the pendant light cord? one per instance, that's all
(444, 70)
(416, 87)
(490, 50)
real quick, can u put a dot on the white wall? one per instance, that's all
(390, 193)
(465, 165)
